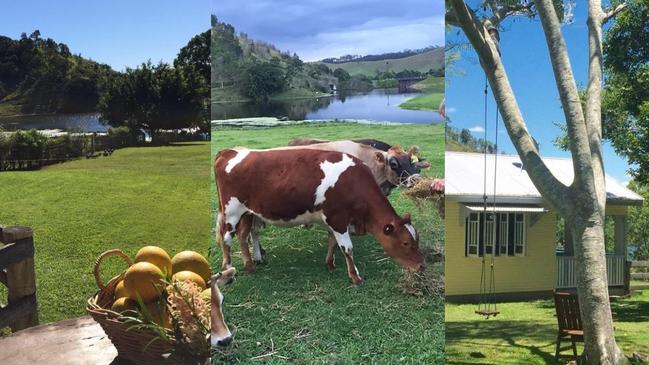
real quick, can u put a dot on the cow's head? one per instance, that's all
(400, 162)
(401, 242)
(220, 334)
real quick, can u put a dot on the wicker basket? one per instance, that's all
(136, 345)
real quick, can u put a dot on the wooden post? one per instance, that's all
(17, 260)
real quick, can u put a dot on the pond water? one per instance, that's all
(86, 122)
(377, 105)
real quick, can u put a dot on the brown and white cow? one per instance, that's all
(220, 333)
(290, 187)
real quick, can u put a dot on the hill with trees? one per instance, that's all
(39, 75)
(428, 60)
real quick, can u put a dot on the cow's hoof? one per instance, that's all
(250, 268)
(260, 262)
(356, 280)
(330, 266)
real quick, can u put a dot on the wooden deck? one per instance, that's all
(78, 341)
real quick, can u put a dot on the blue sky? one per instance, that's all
(316, 29)
(526, 59)
(117, 32)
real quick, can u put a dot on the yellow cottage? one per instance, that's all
(528, 262)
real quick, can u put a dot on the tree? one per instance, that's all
(582, 203)
(626, 97)
(196, 55)
(341, 75)
(261, 79)
(639, 223)
(152, 98)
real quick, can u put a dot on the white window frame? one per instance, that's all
(522, 234)
(504, 227)
(473, 235)
(501, 244)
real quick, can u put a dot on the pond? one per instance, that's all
(86, 122)
(377, 105)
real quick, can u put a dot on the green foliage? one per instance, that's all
(195, 58)
(153, 98)
(28, 144)
(638, 234)
(625, 104)
(341, 74)
(463, 141)
(261, 79)
(42, 76)
(432, 59)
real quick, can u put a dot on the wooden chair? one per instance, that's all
(569, 318)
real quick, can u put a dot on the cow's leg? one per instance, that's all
(257, 251)
(345, 243)
(227, 223)
(243, 232)
(220, 240)
(330, 261)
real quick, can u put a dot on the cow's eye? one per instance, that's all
(394, 163)
(406, 244)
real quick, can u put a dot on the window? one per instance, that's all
(503, 234)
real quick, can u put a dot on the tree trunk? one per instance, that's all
(592, 287)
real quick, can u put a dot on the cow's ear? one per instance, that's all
(380, 157)
(224, 277)
(406, 218)
(388, 229)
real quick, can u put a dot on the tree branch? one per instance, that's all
(611, 13)
(555, 192)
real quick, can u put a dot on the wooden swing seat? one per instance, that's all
(487, 312)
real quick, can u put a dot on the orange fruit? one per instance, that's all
(156, 256)
(191, 261)
(144, 279)
(122, 304)
(190, 276)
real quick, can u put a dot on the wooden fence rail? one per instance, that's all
(18, 275)
(643, 273)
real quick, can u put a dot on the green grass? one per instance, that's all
(525, 332)
(296, 311)
(428, 101)
(423, 62)
(136, 197)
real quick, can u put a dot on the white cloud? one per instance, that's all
(476, 129)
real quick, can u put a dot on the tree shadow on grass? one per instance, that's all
(470, 334)
(631, 310)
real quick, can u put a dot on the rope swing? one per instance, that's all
(487, 301)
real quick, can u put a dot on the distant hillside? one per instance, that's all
(379, 57)
(247, 69)
(39, 75)
(432, 59)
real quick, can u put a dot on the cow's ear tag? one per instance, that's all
(388, 229)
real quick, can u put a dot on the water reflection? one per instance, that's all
(378, 105)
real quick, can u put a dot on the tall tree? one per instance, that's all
(626, 96)
(582, 204)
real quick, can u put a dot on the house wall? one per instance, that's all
(535, 272)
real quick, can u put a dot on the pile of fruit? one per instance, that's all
(143, 288)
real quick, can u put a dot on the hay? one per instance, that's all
(427, 283)
(422, 191)
(422, 284)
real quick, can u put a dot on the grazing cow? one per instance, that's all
(220, 334)
(290, 187)
(398, 159)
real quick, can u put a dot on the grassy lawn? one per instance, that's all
(136, 197)
(292, 310)
(433, 93)
(525, 332)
